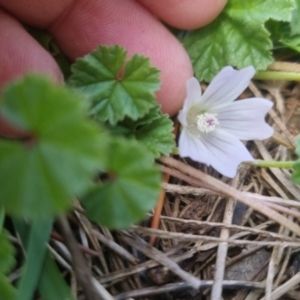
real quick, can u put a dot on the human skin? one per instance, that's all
(79, 26)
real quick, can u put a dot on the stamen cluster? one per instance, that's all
(207, 122)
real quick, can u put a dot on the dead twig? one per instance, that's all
(160, 257)
(179, 286)
(233, 193)
(82, 272)
(216, 292)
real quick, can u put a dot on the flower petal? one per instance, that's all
(220, 149)
(245, 119)
(226, 86)
(182, 117)
(193, 96)
(193, 93)
(226, 152)
(191, 146)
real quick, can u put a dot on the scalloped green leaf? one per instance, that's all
(132, 188)
(57, 160)
(238, 37)
(116, 87)
(154, 131)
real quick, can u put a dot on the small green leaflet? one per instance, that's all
(116, 87)
(7, 291)
(238, 37)
(64, 149)
(296, 174)
(295, 22)
(132, 188)
(292, 42)
(281, 35)
(154, 131)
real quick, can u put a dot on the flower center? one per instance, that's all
(207, 122)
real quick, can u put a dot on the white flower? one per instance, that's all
(214, 124)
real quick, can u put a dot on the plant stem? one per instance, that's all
(227, 190)
(277, 75)
(259, 162)
(271, 164)
(2, 217)
(175, 151)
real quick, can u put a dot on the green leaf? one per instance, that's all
(132, 190)
(296, 174)
(6, 254)
(57, 160)
(116, 88)
(237, 37)
(281, 35)
(7, 291)
(154, 131)
(7, 260)
(295, 22)
(2, 217)
(292, 42)
(51, 284)
(35, 248)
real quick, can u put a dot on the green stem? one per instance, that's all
(2, 217)
(277, 75)
(271, 164)
(175, 151)
(260, 163)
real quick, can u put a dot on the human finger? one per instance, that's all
(89, 23)
(187, 14)
(20, 54)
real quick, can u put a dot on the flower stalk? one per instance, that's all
(277, 75)
(271, 164)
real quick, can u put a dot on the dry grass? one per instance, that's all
(218, 239)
